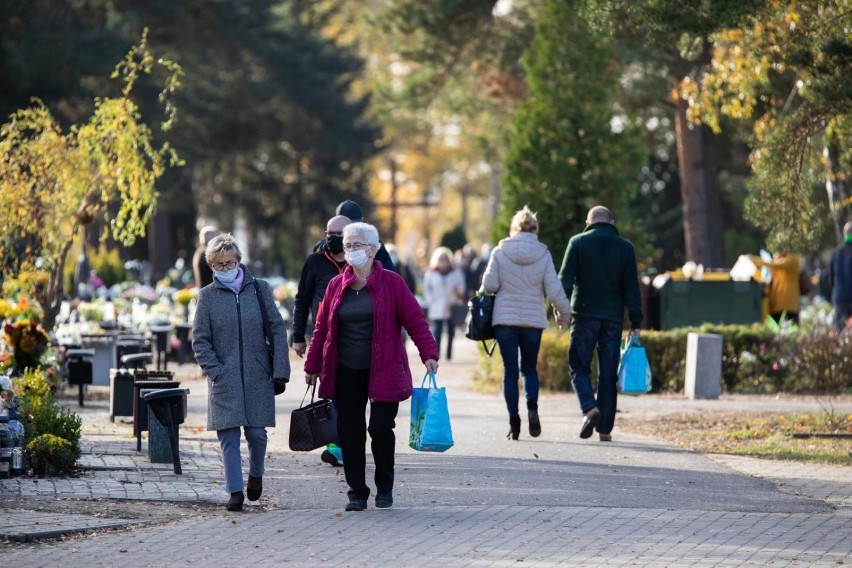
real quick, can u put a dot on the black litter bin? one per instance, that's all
(79, 365)
(169, 408)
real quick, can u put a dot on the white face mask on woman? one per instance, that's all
(357, 258)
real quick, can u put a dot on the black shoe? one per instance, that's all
(514, 427)
(535, 423)
(254, 488)
(384, 500)
(589, 422)
(356, 505)
(235, 503)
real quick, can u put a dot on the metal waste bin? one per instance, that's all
(689, 303)
(169, 408)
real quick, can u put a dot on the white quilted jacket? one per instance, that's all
(522, 274)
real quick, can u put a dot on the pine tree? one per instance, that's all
(572, 148)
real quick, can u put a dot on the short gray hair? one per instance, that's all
(219, 245)
(365, 230)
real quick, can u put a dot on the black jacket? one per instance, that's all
(317, 272)
(840, 274)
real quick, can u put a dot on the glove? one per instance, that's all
(280, 385)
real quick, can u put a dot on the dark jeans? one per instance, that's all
(351, 400)
(437, 326)
(586, 336)
(511, 339)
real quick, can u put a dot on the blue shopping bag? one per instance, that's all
(634, 371)
(430, 418)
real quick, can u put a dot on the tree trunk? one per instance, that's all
(699, 189)
(699, 186)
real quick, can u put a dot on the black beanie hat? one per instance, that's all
(350, 209)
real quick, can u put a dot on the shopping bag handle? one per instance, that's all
(630, 341)
(432, 382)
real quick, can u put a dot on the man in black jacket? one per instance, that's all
(326, 262)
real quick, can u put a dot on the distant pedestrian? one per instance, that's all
(840, 278)
(402, 268)
(784, 293)
(521, 274)
(358, 355)
(443, 288)
(200, 269)
(228, 340)
(600, 276)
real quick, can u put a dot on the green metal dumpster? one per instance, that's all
(686, 303)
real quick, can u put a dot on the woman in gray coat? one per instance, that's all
(229, 344)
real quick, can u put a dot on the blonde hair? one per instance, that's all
(438, 253)
(524, 221)
(221, 245)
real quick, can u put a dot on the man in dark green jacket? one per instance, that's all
(599, 275)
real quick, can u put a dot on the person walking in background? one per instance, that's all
(840, 280)
(229, 345)
(200, 269)
(521, 274)
(326, 262)
(443, 287)
(600, 276)
(402, 268)
(784, 292)
(358, 354)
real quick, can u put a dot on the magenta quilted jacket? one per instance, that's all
(394, 307)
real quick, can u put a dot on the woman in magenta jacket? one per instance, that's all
(357, 352)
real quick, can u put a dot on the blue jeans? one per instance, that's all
(511, 339)
(586, 336)
(229, 441)
(437, 326)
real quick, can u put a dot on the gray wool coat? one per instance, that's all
(229, 346)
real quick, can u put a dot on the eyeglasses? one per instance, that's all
(221, 266)
(355, 246)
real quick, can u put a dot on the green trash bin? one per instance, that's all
(689, 303)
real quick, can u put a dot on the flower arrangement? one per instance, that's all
(28, 341)
(183, 297)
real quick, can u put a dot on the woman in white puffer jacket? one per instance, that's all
(443, 287)
(521, 274)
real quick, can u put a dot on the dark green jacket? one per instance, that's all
(599, 275)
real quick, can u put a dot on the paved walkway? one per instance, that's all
(549, 501)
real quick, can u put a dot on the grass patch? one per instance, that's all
(754, 434)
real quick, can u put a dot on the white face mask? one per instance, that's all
(357, 258)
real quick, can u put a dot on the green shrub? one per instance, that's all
(754, 360)
(50, 418)
(108, 265)
(553, 360)
(51, 455)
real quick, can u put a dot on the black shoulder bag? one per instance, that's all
(480, 309)
(278, 384)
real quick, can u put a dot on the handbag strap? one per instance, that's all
(312, 389)
(493, 347)
(263, 314)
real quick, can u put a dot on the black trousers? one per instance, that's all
(352, 428)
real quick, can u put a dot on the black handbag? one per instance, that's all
(480, 309)
(313, 426)
(279, 385)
